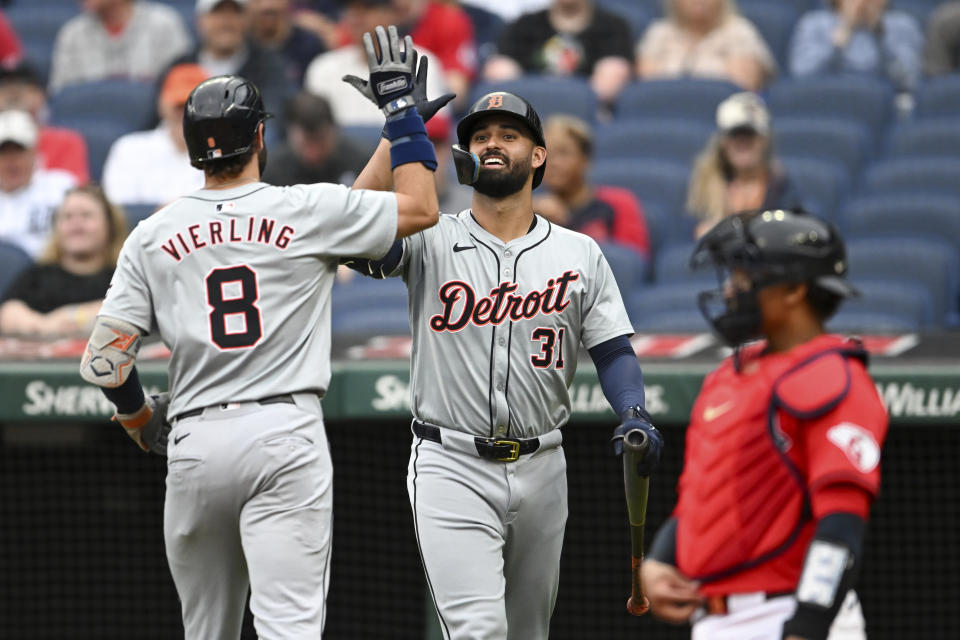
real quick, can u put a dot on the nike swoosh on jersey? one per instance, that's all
(712, 413)
(457, 248)
(179, 438)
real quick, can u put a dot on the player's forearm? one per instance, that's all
(620, 375)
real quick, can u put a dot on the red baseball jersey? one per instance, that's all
(762, 438)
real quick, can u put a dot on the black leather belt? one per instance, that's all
(284, 398)
(499, 449)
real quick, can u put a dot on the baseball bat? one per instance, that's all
(635, 447)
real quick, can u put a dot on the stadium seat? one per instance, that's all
(822, 184)
(629, 267)
(861, 98)
(931, 137)
(823, 139)
(37, 26)
(549, 95)
(852, 321)
(100, 136)
(675, 140)
(671, 322)
(692, 98)
(13, 260)
(905, 298)
(677, 296)
(672, 265)
(928, 262)
(934, 216)
(939, 97)
(637, 15)
(486, 30)
(135, 213)
(364, 136)
(125, 104)
(663, 183)
(775, 22)
(919, 176)
(919, 9)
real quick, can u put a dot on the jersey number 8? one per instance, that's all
(235, 318)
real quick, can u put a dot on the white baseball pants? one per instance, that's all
(249, 505)
(490, 535)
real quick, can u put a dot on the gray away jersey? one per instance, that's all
(497, 327)
(237, 282)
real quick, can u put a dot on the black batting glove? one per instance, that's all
(638, 418)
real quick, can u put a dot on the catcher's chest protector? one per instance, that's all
(743, 499)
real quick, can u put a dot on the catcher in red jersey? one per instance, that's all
(783, 448)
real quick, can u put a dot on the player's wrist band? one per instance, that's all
(408, 140)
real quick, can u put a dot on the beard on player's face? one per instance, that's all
(505, 181)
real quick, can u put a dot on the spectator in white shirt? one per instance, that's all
(132, 39)
(28, 194)
(153, 167)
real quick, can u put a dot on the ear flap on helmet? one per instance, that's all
(467, 164)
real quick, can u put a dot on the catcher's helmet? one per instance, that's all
(508, 104)
(221, 117)
(770, 247)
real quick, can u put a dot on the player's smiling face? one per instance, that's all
(507, 155)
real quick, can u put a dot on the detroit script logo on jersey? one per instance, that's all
(462, 306)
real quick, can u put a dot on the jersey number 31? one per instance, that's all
(232, 294)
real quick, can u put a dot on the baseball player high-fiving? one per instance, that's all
(236, 280)
(500, 301)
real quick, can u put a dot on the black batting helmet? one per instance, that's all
(221, 118)
(771, 247)
(508, 104)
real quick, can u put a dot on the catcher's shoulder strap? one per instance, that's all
(817, 384)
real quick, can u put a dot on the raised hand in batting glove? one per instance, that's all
(148, 427)
(426, 108)
(638, 418)
(391, 73)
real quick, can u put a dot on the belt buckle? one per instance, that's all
(514, 454)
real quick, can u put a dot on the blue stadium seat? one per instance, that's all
(674, 297)
(675, 140)
(822, 184)
(486, 30)
(930, 137)
(549, 95)
(636, 15)
(775, 22)
(861, 98)
(135, 213)
(921, 176)
(823, 139)
(905, 298)
(852, 321)
(919, 9)
(364, 136)
(671, 322)
(663, 183)
(100, 136)
(123, 103)
(13, 260)
(672, 265)
(939, 97)
(37, 26)
(931, 263)
(629, 267)
(934, 216)
(796, 6)
(691, 98)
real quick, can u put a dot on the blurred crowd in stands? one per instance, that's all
(661, 117)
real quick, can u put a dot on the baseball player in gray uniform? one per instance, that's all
(236, 280)
(500, 301)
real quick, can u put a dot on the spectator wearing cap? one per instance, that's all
(57, 147)
(272, 28)
(62, 293)
(28, 194)
(325, 73)
(705, 39)
(153, 167)
(737, 171)
(225, 49)
(445, 30)
(570, 38)
(314, 151)
(858, 36)
(133, 39)
(606, 214)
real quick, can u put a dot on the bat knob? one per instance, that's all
(638, 609)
